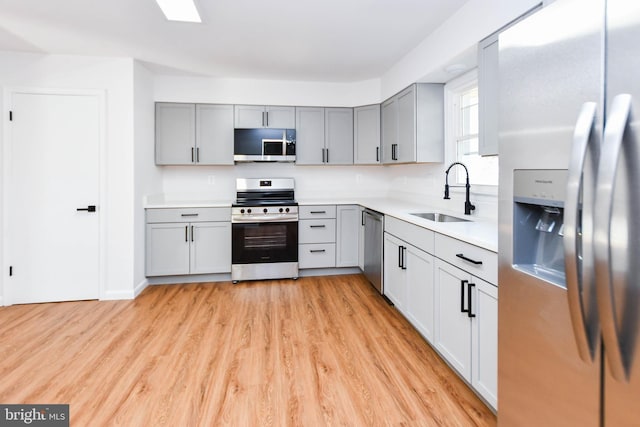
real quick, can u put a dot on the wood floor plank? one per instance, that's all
(316, 351)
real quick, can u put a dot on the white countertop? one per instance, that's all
(160, 201)
(477, 231)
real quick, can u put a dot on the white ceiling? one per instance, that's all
(312, 40)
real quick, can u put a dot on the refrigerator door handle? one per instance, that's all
(614, 133)
(579, 268)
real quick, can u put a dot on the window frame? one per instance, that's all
(452, 90)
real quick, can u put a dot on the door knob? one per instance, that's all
(90, 208)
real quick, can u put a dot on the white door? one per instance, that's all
(53, 248)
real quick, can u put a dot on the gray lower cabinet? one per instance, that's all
(408, 274)
(324, 136)
(366, 135)
(317, 236)
(261, 116)
(193, 134)
(413, 125)
(467, 313)
(361, 238)
(328, 236)
(347, 235)
(188, 241)
(443, 286)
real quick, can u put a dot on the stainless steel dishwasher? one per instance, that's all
(373, 223)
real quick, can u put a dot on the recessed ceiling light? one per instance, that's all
(179, 10)
(455, 68)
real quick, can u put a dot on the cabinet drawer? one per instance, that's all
(410, 233)
(479, 262)
(187, 214)
(317, 211)
(317, 231)
(317, 255)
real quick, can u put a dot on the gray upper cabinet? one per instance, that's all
(175, 133)
(214, 134)
(309, 135)
(488, 96)
(389, 116)
(366, 135)
(488, 88)
(338, 135)
(194, 134)
(413, 125)
(259, 116)
(324, 136)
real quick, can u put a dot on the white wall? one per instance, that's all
(267, 92)
(471, 23)
(147, 176)
(115, 77)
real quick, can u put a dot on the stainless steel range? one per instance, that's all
(264, 223)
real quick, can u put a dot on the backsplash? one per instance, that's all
(421, 182)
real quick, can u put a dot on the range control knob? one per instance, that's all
(265, 210)
(248, 210)
(286, 210)
(241, 211)
(280, 210)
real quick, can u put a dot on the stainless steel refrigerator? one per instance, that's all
(569, 217)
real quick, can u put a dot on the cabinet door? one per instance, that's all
(310, 135)
(453, 327)
(488, 95)
(280, 117)
(210, 247)
(347, 235)
(484, 353)
(389, 129)
(338, 134)
(406, 151)
(249, 116)
(175, 133)
(420, 291)
(366, 135)
(214, 134)
(167, 251)
(361, 238)
(394, 276)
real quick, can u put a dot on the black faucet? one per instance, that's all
(468, 207)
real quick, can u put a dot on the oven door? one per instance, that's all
(264, 242)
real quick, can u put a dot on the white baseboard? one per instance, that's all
(118, 295)
(140, 287)
(1, 301)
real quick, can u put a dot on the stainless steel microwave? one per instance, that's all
(264, 145)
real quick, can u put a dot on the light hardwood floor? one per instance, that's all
(312, 352)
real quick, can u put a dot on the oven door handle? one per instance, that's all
(266, 218)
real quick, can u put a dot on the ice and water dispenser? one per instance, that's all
(538, 223)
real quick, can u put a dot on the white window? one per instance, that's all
(462, 131)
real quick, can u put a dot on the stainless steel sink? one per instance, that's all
(439, 217)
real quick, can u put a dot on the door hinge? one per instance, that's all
(10, 270)
(10, 116)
